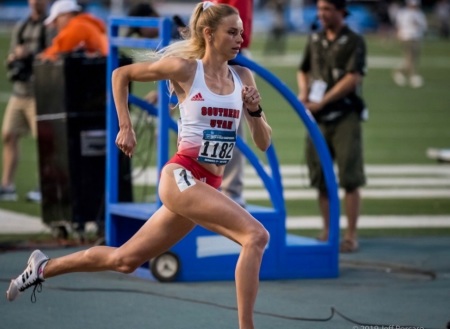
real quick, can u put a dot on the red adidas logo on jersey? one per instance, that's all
(197, 97)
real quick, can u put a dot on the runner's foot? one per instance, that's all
(31, 277)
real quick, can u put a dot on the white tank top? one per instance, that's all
(208, 121)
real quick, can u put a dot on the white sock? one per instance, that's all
(41, 270)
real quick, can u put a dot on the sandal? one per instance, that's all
(348, 246)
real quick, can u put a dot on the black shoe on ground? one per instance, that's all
(8, 194)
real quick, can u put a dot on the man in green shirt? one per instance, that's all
(330, 80)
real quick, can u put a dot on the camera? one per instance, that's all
(20, 69)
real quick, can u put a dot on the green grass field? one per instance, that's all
(403, 122)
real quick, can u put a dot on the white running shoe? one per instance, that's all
(399, 79)
(29, 277)
(34, 196)
(416, 81)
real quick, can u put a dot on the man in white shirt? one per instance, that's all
(411, 25)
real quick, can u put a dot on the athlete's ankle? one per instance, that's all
(41, 270)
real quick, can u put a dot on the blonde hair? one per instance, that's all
(194, 44)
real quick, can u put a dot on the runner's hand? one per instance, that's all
(126, 141)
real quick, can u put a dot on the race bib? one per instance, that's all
(217, 146)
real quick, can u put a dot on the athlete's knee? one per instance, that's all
(265, 238)
(259, 238)
(9, 138)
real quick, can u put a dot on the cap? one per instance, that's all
(61, 7)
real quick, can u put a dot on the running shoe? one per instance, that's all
(29, 278)
(416, 81)
(399, 79)
(34, 196)
(8, 194)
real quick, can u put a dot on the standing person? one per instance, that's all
(330, 80)
(29, 37)
(213, 98)
(75, 31)
(393, 8)
(144, 9)
(441, 12)
(411, 25)
(233, 179)
(276, 42)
